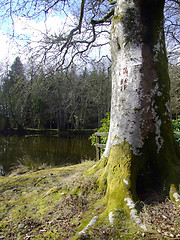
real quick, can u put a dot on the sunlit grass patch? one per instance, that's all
(57, 203)
(43, 197)
(27, 164)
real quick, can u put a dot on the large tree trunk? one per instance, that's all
(141, 154)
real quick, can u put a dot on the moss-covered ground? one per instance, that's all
(57, 203)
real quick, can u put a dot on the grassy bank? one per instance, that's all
(57, 203)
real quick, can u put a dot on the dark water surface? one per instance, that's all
(53, 150)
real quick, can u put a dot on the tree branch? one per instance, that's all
(112, 2)
(104, 19)
(81, 14)
(54, 4)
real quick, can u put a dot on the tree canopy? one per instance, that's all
(60, 100)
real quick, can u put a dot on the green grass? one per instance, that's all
(57, 203)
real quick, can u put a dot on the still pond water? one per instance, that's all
(53, 150)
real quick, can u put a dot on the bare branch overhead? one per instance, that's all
(86, 26)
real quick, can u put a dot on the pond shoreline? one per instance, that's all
(29, 131)
(50, 147)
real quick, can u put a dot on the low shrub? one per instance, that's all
(106, 124)
(176, 124)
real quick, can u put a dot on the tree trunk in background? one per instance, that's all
(141, 155)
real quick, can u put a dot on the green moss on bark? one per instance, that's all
(128, 176)
(174, 194)
(119, 174)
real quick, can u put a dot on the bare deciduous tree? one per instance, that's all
(172, 30)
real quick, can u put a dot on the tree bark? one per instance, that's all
(141, 155)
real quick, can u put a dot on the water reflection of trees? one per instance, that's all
(44, 149)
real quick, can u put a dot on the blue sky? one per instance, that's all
(26, 28)
(32, 29)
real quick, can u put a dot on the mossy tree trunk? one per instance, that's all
(141, 154)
